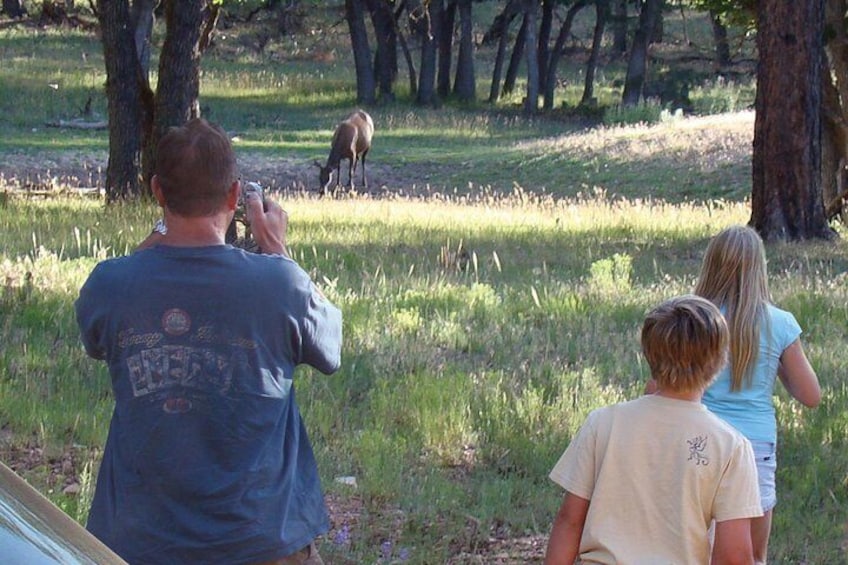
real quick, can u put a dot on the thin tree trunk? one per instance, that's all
(601, 11)
(619, 41)
(500, 29)
(141, 21)
(443, 80)
(366, 85)
(545, 28)
(124, 101)
(722, 47)
(429, 33)
(638, 64)
(531, 101)
(556, 53)
(385, 57)
(465, 84)
(410, 64)
(515, 58)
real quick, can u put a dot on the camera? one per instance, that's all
(245, 239)
(250, 188)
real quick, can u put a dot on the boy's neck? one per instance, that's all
(691, 396)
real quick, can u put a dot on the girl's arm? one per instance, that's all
(798, 376)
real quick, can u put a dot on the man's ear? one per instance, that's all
(156, 189)
(233, 195)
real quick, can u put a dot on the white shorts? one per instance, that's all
(765, 453)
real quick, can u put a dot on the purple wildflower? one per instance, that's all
(342, 535)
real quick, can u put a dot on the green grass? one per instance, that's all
(461, 382)
(483, 319)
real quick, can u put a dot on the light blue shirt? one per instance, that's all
(751, 410)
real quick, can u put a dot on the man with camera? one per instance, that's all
(207, 458)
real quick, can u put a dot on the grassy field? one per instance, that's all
(493, 287)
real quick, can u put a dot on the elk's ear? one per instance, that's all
(318, 164)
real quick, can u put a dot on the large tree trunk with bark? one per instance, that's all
(124, 96)
(465, 83)
(786, 199)
(366, 85)
(178, 87)
(637, 65)
(601, 12)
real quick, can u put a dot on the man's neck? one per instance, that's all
(195, 232)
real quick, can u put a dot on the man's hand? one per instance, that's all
(269, 226)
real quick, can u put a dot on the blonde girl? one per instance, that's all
(764, 344)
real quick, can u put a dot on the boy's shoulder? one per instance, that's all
(652, 407)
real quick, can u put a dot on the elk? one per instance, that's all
(351, 141)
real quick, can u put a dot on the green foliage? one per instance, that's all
(646, 112)
(720, 96)
(461, 384)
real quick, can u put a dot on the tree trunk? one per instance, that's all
(786, 199)
(366, 85)
(834, 148)
(834, 111)
(410, 64)
(141, 20)
(638, 63)
(722, 47)
(659, 29)
(385, 56)
(601, 12)
(443, 80)
(13, 8)
(515, 58)
(545, 28)
(500, 29)
(495, 87)
(531, 101)
(556, 53)
(124, 101)
(619, 23)
(178, 87)
(465, 83)
(429, 37)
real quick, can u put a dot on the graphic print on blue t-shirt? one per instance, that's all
(179, 355)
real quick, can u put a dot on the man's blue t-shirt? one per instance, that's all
(207, 458)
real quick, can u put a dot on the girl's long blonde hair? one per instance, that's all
(733, 277)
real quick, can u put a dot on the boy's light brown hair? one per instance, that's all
(685, 342)
(195, 166)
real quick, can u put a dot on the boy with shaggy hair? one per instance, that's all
(645, 479)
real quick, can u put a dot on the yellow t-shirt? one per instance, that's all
(657, 471)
